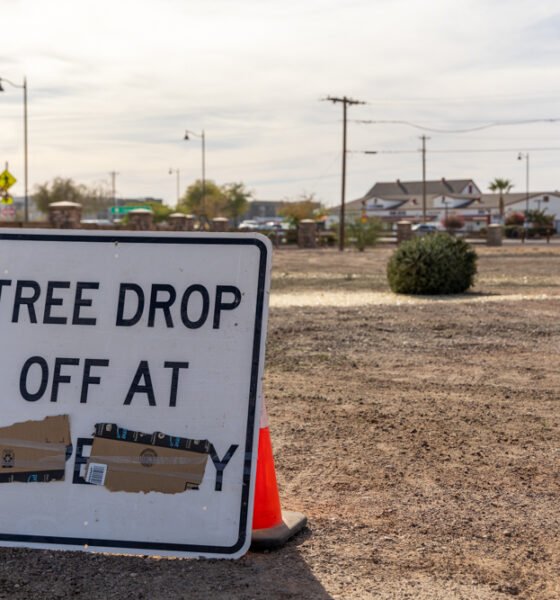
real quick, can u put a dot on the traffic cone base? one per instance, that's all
(274, 537)
(272, 526)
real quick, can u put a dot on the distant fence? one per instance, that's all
(306, 235)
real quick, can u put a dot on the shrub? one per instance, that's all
(291, 236)
(364, 232)
(515, 219)
(513, 231)
(539, 218)
(433, 264)
(453, 222)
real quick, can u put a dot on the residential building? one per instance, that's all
(263, 210)
(403, 200)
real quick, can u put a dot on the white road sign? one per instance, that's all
(130, 375)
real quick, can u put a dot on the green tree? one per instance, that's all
(502, 186)
(94, 199)
(205, 201)
(306, 207)
(364, 231)
(59, 190)
(539, 218)
(161, 211)
(237, 200)
(97, 200)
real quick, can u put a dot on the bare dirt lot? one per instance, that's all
(419, 436)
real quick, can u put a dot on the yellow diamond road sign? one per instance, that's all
(6, 199)
(6, 180)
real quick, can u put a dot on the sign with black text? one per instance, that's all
(130, 384)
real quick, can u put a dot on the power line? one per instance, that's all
(480, 151)
(465, 130)
(383, 151)
(472, 150)
(442, 100)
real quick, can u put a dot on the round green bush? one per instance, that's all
(433, 264)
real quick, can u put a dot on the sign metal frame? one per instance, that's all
(252, 418)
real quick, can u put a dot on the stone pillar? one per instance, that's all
(65, 215)
(141, 219)
(494, 235)
(404, 231)
(307, 233)
(220, 224)
(189, 222)
(177, 222)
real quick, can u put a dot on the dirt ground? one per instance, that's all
(419, 436)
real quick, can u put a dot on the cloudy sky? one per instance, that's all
(113, 86)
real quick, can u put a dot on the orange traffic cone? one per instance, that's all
(272, 526)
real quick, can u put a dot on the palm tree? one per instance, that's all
(503, 186)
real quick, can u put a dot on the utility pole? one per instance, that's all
(113, 175)
(345, 102)
(26, 170)
(424, 138)
(25, 153)
(202, 136)
(178, 173)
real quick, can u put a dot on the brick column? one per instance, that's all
(141, 219)
(220, 224)
(404, 231)
(494, 235)
(189, 222)
(65, 215)
(177, 222)
(307, 233)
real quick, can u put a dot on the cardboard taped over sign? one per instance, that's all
(131, 461)
(35, 451)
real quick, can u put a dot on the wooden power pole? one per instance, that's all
(424, 138)
(345, 102)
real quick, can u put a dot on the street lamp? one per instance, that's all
(521, 156)
(178, 173)
(24, 88)
(203, 138)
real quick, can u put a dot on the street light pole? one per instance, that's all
(178, 173)
(521, 156)
(25, 162)
(113, 175)
(202, 136)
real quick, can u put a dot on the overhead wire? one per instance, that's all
(464, 130)
(458, 150)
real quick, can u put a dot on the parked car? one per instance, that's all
(424, 228)
(99, 222)
(249, 225)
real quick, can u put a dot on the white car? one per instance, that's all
(248, 225)
(424, 228)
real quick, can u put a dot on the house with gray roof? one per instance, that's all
(398, 200)
(459, 187)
